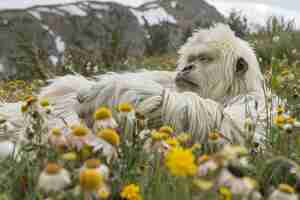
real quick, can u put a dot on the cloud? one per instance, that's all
(257, 11)
(286, 4)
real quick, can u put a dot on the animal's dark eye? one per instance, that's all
(204, 58)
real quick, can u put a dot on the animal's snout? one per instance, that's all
(188, 68)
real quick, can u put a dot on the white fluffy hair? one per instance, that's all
(201, 110)
(221, 39)
(61, 92)
(222, 100)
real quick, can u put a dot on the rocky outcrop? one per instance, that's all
(46, 32)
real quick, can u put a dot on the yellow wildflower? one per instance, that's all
(166, 129)
(173, 142)
(53, 168)
(103, 113)
(286, 188)
(181, 162)
(279, 121)
(90, 180)
(290, 120)
(131, 192)
(44, 103)
(280, 109)
(103, 194)
(110, 135)
(214, 137)
(225, 193)
(24, 108)
(125, 107)
(159, 136)
(85, 152)
(56, 131)
(80, 131)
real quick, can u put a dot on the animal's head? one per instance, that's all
(216, 64)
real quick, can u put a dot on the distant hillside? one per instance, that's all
(48, 32)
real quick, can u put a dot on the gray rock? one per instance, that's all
(40, 36)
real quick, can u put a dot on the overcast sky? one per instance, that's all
(256, 10)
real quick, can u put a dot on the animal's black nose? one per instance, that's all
(188, 68)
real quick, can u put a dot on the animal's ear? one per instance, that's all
(241, 66)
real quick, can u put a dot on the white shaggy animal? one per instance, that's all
(218, 85)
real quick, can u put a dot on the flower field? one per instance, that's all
(121, 158)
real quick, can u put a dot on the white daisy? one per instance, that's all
(53, 178)
(103, 119)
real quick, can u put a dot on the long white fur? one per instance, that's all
(62, 93)
(223, 101)
(223, 108)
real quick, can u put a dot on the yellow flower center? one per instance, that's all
(291, 120)
(90, 180)
(214, 136)
(102, 113)
(86, 152)
(24, 108)
(131, 192)
(173, 142)
(80, 131)
(56, 131)
(103, 194)
(125, 107)
(44, 103)
(159, 136)
(280, 120)
(286, 188)
(53, 168)
(92, 163)
(280, 109)
(110, 135)
(166, 129)
(181, 162)
(225, 193)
